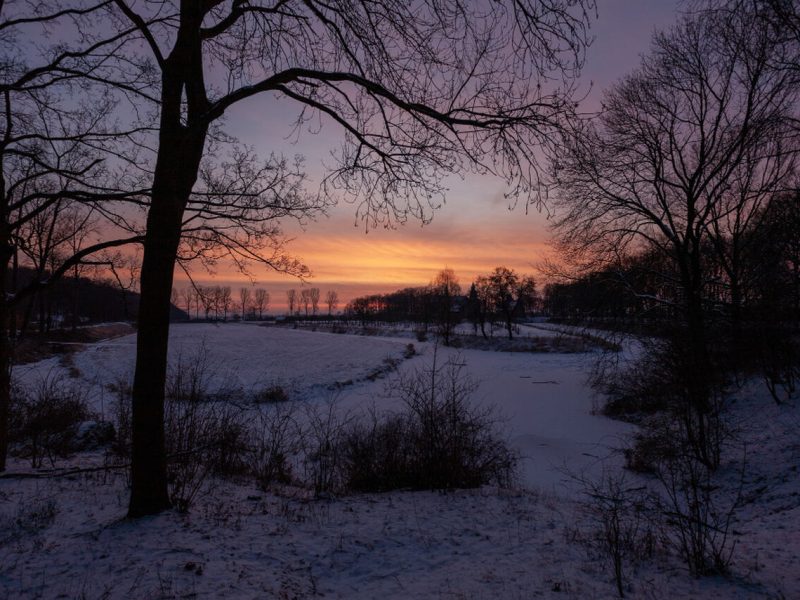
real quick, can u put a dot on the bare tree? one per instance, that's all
(313, 295)
(198, 300)
(244, 300)
(305, 300)
(291, 300)
(781, 18)
(53, 143)
(483, 306)
(43, 239)
(444, 290)
(261, 301)
(208, 299)
(331, 301)
(680, 162)
(214, 293)
(420, 91)
(188, 297)
(81, 223)
(175, 296)
(225, 301)
(507, 294)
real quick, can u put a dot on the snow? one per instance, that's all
(240, 355)
(240, 542)
(542, 396)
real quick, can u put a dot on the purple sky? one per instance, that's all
(474, 231)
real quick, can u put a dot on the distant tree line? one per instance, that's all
(748, 295)
(306, 302)
(216, 302)
(644, 288)
(501, 297)
(70, 302)
(219, 303)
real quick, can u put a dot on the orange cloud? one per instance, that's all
(468, 237)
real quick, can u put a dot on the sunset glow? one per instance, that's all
(472, 233)
(471, 240)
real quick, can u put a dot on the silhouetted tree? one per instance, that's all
(261, 301)
(420, 90)
(445, 291)
(473, 307)
(292, 300)
(507, 294)
(684, 156)
(313, 296)
(225, 301)
(305, 300)
(244, 300)
(207, 298)
(198, 300)
(188, 294)
(331, 301)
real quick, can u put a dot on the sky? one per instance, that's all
(473, 232)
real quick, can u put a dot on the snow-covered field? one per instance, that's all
(67, 537)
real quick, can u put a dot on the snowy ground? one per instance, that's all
(243, 543)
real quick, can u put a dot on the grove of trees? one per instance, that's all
(215, 301)
(673, 192)
(502, 296)
(62, 201)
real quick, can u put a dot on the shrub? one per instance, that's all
(189, 377)
(377, 454)
(271, 395)
(439, 440)
(201, 438)
(32, 517)
(621, 532)
(35, 516)
(122, 418)
(697, 513)
(694, 510)
(643, 386)
(276, 438)
(660, 382)
(46, 420)
(326, 427)
(778, 356)
(656, 440)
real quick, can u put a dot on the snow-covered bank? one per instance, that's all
(66, 537)
(543, 396)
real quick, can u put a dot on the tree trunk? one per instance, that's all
(76, 283)
(148, 460)
(5, 381)
(42, 319)
(180, 149)
(698, 367)
(174, 177)
(6, 352)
